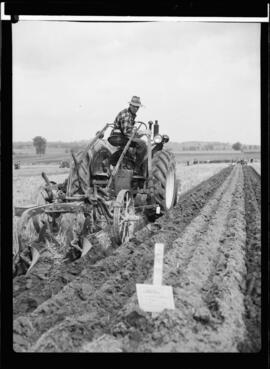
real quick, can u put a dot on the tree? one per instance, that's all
(237, 146)
(40, 144)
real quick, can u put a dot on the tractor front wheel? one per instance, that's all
(166, 185)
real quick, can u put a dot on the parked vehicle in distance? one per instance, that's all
(64, 164)
(17, 165)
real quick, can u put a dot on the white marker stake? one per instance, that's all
(158, 267)
(155, 297)
(158, 263)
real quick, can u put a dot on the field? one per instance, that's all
(54, 155)
(212, 241)
(190, 176)
(28, 156)
(27, 180)
(185, 156)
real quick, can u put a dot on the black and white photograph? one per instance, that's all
(136, 180)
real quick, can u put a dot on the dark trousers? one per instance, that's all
(141, 150)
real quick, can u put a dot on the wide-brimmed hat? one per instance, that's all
(136, 101)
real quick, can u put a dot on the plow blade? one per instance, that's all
(32, 212)
(35, 257)
(29, 216)
(86, 246)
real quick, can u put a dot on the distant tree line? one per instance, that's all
(238, 146)
(211, 146)
(251, 147)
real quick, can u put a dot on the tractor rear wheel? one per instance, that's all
(165, 183)
(95, 160)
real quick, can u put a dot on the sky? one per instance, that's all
(200, 80)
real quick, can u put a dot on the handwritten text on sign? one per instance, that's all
(154, 298)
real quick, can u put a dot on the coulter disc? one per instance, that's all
(123, 217)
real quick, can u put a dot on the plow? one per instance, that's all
(104, 200)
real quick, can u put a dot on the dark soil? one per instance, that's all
(91, 304)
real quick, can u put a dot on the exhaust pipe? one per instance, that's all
(156, 128)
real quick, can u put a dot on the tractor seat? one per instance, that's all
(117, 139)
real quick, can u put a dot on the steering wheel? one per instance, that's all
(140, 123)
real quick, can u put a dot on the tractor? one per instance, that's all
(105, 195)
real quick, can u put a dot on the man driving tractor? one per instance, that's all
(124, 125)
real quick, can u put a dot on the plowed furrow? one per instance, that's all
(48, 277)
(207, 289)
(93, 302)
(252, 342)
